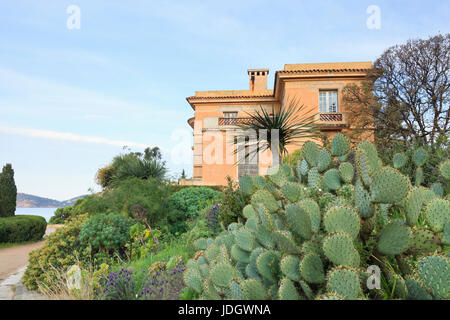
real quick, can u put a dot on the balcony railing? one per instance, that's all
(331, 117)
(233, 121)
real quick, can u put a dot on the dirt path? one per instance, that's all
(14, 258)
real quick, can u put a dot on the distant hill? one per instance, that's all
(29, 201)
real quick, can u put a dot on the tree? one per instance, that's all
(183, 174)
(292, 122)
(132, 164)
(154, 153)
(8, 192)
(406, 97)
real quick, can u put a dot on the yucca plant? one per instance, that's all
(293, 122)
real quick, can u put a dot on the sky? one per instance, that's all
(74, 91)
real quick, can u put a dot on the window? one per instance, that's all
(230, 114)
(328, 101)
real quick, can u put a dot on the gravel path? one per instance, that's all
(14, 258)
(13, 262)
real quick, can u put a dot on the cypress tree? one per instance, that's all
(8, 192)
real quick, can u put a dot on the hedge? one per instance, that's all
(22, 228)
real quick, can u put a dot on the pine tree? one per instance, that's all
(8, 192)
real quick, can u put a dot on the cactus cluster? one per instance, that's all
(311, 232)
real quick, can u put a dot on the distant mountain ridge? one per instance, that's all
(25, 200)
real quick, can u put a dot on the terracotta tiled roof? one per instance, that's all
(229, 97)
(327, 67)
(322, 70)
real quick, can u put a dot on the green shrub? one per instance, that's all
(22, 228)
(191, 200)
(61, 250)
(231, 204)
(105, 233)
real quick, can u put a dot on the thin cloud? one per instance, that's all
(67, 136)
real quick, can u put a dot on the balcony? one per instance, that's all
(332, 119)
(233, 121)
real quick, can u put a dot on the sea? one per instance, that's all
(47, 213)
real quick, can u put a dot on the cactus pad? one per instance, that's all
(253, 290)
(413, 205)
(244, 239)
(435, 274)
(389, 186)
(265, 198)
(399, 160)
(299, 220)
(314, 179)
(324, 160)
(267, 265)
(292, 191)
(394, 238)
(339, 249)
(362, 202)
(344, 219)
(287, 290)
(310, 151)
(419, 157)
(444, 169)
(437, 213)
(346, 171)
(340, 145)
(332, 179)
(345, 282)
(311, 268)
(416, 290)
(222, 274)
(289, 266)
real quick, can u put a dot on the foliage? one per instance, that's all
(105, 233)
(406, 95)
(291, 121)
(151, 194)
(22, 228)
(8, 192)
(132, 164)
(312, 243)
(231, 204)
(212, 218)
(61, 250)
(164, 284)
(293, 158)
(85, 242)
(143, 241)
(189, 201)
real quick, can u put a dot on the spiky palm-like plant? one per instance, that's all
(292, 121)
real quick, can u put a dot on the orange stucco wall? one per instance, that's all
(210, 106)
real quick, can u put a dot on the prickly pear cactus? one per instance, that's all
(311, 231)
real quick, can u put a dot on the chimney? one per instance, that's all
(258, 79)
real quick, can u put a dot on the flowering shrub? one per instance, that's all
(143, 241)
(212, 218)
(164, 285)
(160, 284)
(119, 285)
(61, 250)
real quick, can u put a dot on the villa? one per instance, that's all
(318, 86)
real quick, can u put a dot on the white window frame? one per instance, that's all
(326, 98)
(231, 114)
